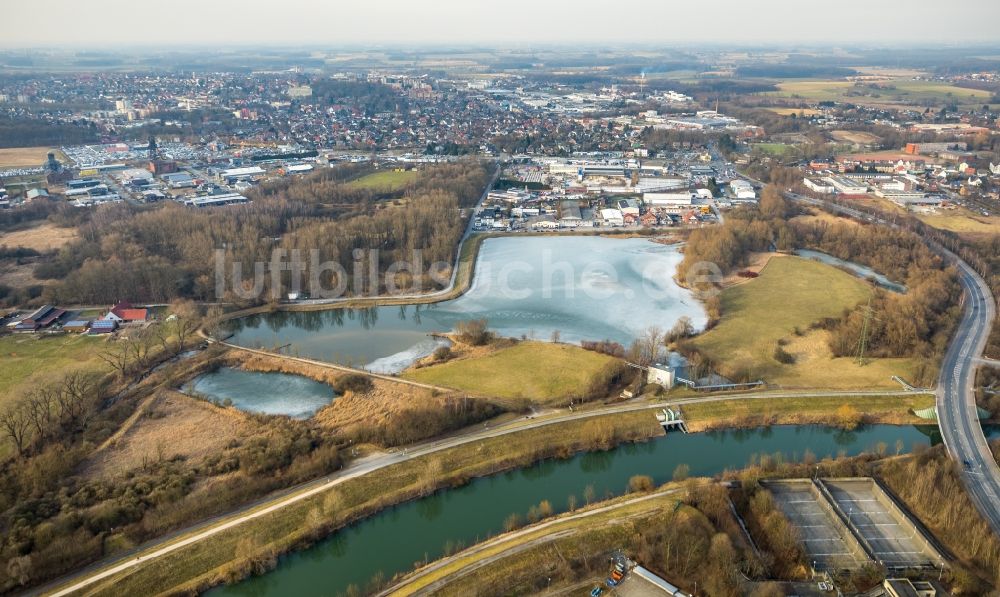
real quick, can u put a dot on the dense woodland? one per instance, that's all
(31, 133)
(164, 252)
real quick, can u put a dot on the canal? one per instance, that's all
(391, 542)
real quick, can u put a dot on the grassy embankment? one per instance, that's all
(790, 295)
(824, 410)
(530, 553)
(541, 371)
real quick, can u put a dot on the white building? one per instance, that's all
(669, 200)
(847, 186)
(241, 173)
(742, 190)
(612, 217)
(819, 185)
(660, 374)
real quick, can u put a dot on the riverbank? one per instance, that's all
(523, 553)
(232, 548)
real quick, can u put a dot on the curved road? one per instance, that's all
(958, 417)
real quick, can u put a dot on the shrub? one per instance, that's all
(442, 353)
(352, 382)
(640, 484)
(473, 332)
(783, 356)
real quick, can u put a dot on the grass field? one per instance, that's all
(859, 137)
(964, 222)
(793, 293)
(42, 238)
(27, 157)
(29, 360)
(900, 91)
(386, 180)
(540, 371)
(776, 149)
(796, 111)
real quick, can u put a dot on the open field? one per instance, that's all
(964, 222)
(890, 92)
(171, 425)
(386, 180)
(859, 137)
(42, 238)
(751, 326)
(776, 149)
(537, 370)
(27, 157)
(796, 111)
(29, 360)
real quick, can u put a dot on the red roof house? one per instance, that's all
(124, 312)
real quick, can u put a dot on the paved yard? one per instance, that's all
(895, 542)
(821, 536)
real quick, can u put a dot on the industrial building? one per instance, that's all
(742, 191)
(846, 186)
(217, 200)
(669, 200)
(234, 174)
(819, 185)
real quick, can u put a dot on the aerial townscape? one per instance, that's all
(442, 298)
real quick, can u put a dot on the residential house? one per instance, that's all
(124, 313)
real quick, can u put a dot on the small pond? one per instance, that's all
(268, 393)
(861, 271)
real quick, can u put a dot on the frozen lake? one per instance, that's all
(586, 288)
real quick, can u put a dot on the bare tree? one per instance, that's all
(77, 391)
(15, 424)
(38, 408)
(118, 356)
(186, 321)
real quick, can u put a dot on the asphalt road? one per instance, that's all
(958, 418)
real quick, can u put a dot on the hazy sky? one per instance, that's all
(31, 23)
